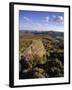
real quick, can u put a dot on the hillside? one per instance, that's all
(41, 51)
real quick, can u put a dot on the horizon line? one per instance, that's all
(43, 30)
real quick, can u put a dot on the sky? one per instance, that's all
(41, 20)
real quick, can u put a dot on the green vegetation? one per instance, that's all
(36, 60)
(41, 56)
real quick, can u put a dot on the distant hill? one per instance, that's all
(54, 34)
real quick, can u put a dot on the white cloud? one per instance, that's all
(58, 19)
(26, 18)
(46, 19)
(61, 18)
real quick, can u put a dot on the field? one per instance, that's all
(41, 54)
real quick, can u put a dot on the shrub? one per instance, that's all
(54, 68)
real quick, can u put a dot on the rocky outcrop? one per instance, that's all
(35, 49)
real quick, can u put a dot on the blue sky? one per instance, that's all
(41, 20)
